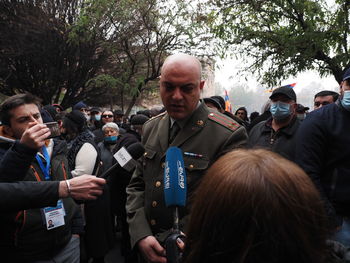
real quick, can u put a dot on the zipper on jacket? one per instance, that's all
(64, 171)
(19, 228)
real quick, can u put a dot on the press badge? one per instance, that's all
(54, 215)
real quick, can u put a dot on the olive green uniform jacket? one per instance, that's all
(207, 134)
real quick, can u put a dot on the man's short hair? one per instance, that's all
(14, 102)
(324, 93)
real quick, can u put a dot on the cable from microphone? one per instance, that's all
(175, 189)
(126, 158)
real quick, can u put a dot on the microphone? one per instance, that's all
(175, 189)
(126, 158)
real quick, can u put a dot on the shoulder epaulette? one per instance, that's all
(156, 117)
(223, 121)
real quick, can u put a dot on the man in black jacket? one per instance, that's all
(25, 236)
(279, 132)
(323, 152)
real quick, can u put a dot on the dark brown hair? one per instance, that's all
(14, 102)
(255, 206)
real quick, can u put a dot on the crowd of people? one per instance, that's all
(269, 187)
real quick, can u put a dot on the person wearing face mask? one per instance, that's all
(323, 152)
(301, 112)
(95, 119)
(111, 135)
(278, 132)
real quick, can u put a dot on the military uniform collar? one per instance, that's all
(183, 122)
(191, 126)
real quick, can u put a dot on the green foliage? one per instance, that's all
(80, 48)
(281, 38)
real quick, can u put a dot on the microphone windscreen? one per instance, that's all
(174, 178)
(136, 150)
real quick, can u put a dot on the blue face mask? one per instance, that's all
(280, 110)
(97, 117)
(111, 139)
(346, 100)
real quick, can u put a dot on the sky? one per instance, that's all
(307, 85)
(226, 73)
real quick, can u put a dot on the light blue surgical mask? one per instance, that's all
(111, 139)
(97, 117)
(345, 101)
(280, 110)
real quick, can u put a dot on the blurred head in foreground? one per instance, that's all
(262, 209)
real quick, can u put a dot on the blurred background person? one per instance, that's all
(118, 117)
(95, 118)
(136, 125)
(265, 115)
(213, 103)
(253, 116)
(106, 117)
(111, 133)
(242, 113)
(84, 157)
(262, 208)
(301, 112)
(324, 98)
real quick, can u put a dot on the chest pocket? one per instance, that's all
(195, 170)
(150, 165)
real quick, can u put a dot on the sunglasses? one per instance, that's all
(107, 116)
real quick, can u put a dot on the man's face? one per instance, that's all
(107, 116)
(180, 88)
(108, 132)
(322, 101)
(21, 117)
(241, 114)
(285, 99)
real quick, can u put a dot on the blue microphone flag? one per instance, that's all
(174, 178)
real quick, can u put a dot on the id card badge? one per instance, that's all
(54, 215)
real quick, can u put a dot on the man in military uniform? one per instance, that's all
(202, 133)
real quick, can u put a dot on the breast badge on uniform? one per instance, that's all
(200, 123)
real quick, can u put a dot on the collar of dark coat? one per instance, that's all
(289, 130)
(193, 125)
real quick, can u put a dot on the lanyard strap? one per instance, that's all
(44, 169)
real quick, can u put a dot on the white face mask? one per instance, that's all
(87, 117)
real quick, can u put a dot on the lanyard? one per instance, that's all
(45, 169)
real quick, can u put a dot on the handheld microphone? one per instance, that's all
(175, 197)
(126, 158)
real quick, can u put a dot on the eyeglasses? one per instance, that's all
(107, 116)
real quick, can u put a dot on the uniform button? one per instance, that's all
(191, 166)
(154, 203)
(145, 154)
(153, 222)
(163, 165)
(158, 184)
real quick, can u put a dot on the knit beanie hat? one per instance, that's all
(79, 105)
(77, 117)
(139, 119)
